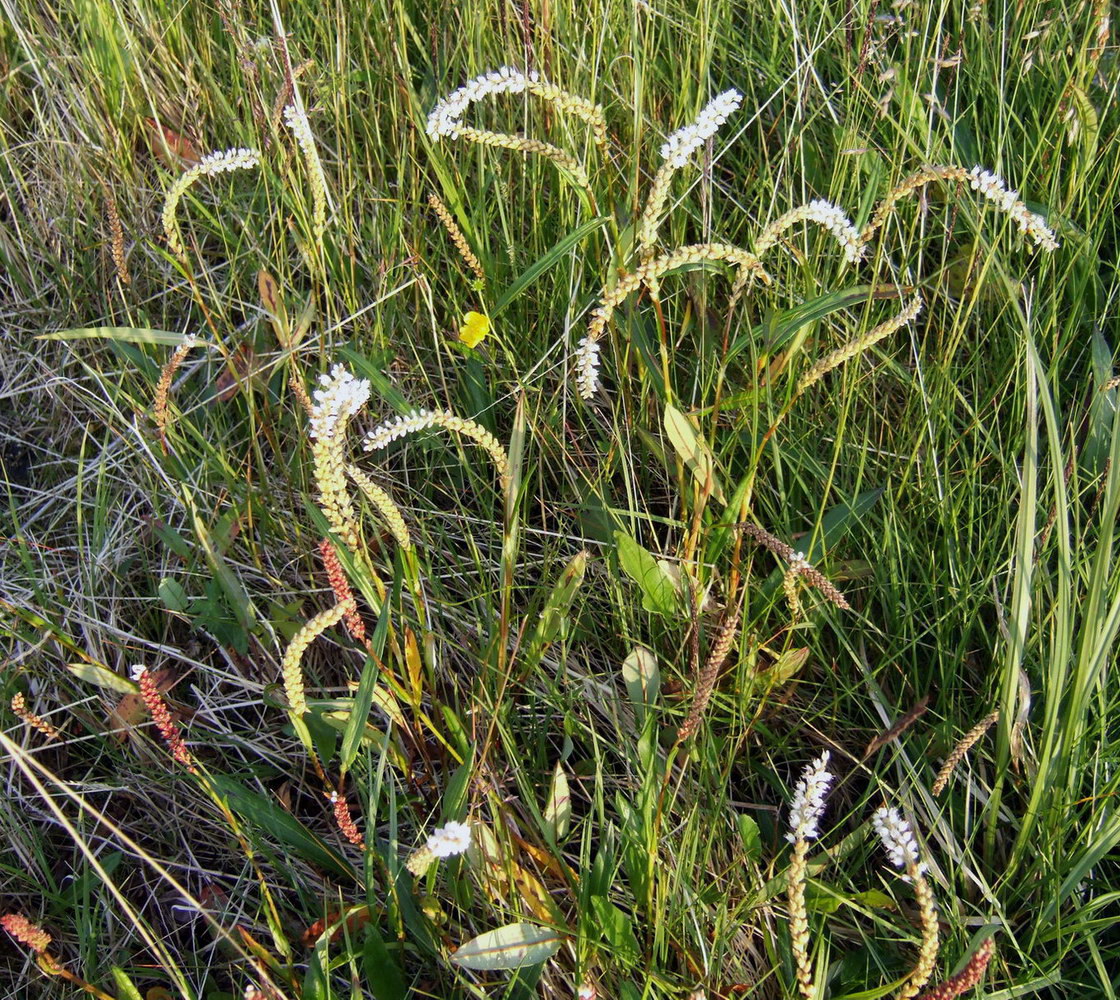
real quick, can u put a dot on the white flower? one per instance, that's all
(897, 838)
(340, 397)
(833, 219)
(798, 563)
(587, 367)
(808, 800)
(685, 141)
(447, 841)
(991, 186)
(446, 117)
(137, 671)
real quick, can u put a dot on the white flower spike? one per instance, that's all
(808, 802)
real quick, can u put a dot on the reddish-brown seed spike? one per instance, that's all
(344, 820)
(964, 980)
(706, 682)
(25, 932)
(163, 721)
(342, 592)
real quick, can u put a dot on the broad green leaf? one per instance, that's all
(616, 928)
(281, 826)
(692, 450)
(509, 947)
(658, 592)
(172, 594)
(383, 975)
(642, 678)
(552, 257)
(751, 838)
(123, 334)
(558, 811)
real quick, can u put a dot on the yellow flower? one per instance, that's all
(474, 329)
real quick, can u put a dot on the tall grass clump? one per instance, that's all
(442, 524)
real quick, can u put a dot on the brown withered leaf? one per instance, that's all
(173, 149)
(355, 920)
(238, 369)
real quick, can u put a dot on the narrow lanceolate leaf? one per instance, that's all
(560, 601)
(558, 812)
(509, 947)
(124, 334)
(693, 451)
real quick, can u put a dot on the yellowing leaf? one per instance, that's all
(509, 947)
(474, 329)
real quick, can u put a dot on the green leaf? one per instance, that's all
(359, 713)
(692, 450)
(383, 975)
(749, 835)
(552, 257)
(172, 594)
(616, 928)
(559, 601)
(281, 826)
(126, 989)
(642, 678)
(658, 592)
(558, 811)
(509, 947)
(122, 334)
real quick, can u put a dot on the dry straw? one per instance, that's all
(960, 751)
(210, 165)
(987, 184)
